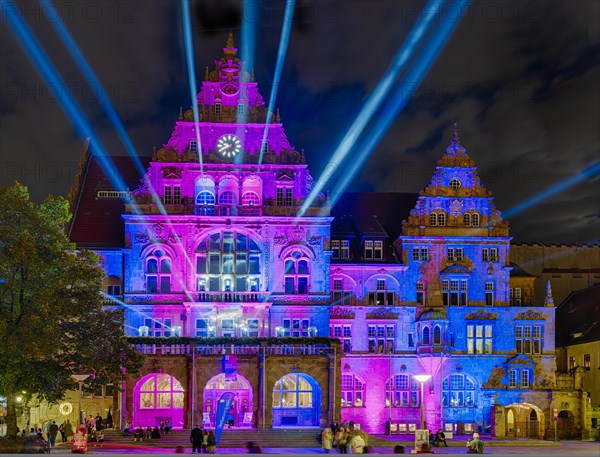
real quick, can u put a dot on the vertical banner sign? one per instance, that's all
(229, 364)
(225, 404)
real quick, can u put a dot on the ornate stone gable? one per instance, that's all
(531, 315)
(341, 313)
(481, 314)
(382, 313)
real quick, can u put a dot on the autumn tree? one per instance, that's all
(52, 321)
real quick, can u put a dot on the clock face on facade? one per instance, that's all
(228, 146)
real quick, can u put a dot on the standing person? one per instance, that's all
(196, 439)
(440, 438)
(212, 442)
(475, 446)
(109, 420)
(205, 441)
(358, 443)
(98, 422)
(327, 440)
(68, 429)
(335, 427)
(167, 427)
(340, 440)
(52, 432)
(61, 430)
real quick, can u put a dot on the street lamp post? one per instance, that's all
(80, 378)
(422, 378)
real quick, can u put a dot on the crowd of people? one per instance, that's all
(203, 441)
(346, 437)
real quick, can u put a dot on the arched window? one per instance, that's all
(441, 219)
(296, 273)
(402, 391)
(458, 390)
(293, 391)
(433, 219)
(161, 391)
(227, 261)
(227, 198)
(467, 219)
(425, 339)
(353, 391)
(475, 220)
(437, 335)
(158, 273)
(250, 199)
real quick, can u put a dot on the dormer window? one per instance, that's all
(193, 147)
(438, 219)
(240, 109)
(218, 108)
(455, 183)
(369, 249)
(378, 252)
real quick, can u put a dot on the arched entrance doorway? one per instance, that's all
(297, 401)
(565, 427)
(524, 420)
(242, 403)
(158, 397)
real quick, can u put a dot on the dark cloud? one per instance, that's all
(521, 78)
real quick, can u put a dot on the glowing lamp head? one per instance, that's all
(422, 377)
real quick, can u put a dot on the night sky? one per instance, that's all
(522, 79)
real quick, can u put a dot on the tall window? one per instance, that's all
(475, 220)
(227, 261)
(335, 249)
(458, 391)
(353, 391)
(296, 274)
(378, 250)
(420, 293)
(528, 339)
(264, 147)
(454, 292)
(519, 377)
(437, 335)
(158, 327)
(168, 197)
(344, 333)
(479, 339)
(161, 391)
(587, 361)
(382, 338)
(158, 273)
(489, 254)
(240, 109)
(402, 391)
(345, 251)
(218, 108)
(293, 391)
(341, 297)
(295, 328)
(455, 254)
(489, 293)
(368, 249)
(193, 146)
(433, 219)
(284, 196)
(176, 195)
(512, 378)
(420, 254)
(204, 329)
(425, 335)
(289, 197)
(441, 219)
(467, 219)
(515, 296)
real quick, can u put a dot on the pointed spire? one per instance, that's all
(252, 75)
(549, 300)
(180, 117)
(230, 43)
(206, 74)
(277, 117)
(456, 138)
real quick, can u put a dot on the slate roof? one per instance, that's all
(578, 317)
(519, 271)
(97, 221)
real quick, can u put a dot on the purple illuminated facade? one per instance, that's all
(223, 255)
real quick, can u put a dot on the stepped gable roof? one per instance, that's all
(97, 221)
(518, 271)
(373, 214)
(578, 317)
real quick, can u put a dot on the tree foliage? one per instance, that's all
(52, 323)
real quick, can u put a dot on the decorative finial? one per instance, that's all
(230, 43)
(252, 75)
(456, 137)
(277, 117)
(180, 117)
(206, 75)
(549, 300)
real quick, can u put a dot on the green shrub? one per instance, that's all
(596, 434)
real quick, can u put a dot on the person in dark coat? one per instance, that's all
(155, 433)
(196, 439)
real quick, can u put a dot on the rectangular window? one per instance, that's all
(193, 147)
(240, 109)
(424, 254)
(524, 378)
(512, 378)
(485, 255)
(529, 339)
(218, 107)
(479, 339)
(378, 250)
(587, 361)
(151, 285)
(252, 326)
(202, 328)
(368, 249)
(279, 199)
(450, 254)
(335, 249)
(459, 254)
(345, 249)
(420, 294)
(489, 293)
(264, 147)
(515, 296)
(572, 362)
(381, 284)
(337, 284)
(381, 338)
(168, 198)
(416, 254)
(176, 195)
(493, 254)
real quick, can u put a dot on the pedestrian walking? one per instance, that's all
(52, 432)
(61, 430)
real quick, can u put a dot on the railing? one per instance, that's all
(233, 297)
(222, 349)
(224, 210)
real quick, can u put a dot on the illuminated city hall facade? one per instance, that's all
(210, 246)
